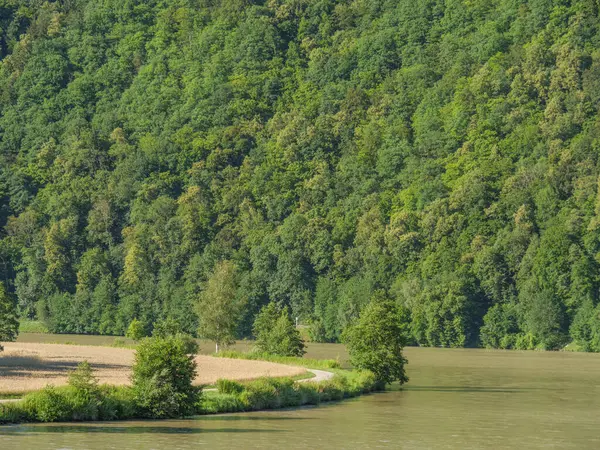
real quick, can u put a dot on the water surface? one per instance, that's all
(455, 399)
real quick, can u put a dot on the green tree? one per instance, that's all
(219, 306)
(275, 332)
(9, 325)
(162, 377)
(375, 342)
(445, 149)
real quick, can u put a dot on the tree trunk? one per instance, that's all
(217, 347)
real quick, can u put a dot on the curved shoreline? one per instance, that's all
(30, 367)
(269, 391)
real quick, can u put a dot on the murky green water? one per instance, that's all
(455, 399)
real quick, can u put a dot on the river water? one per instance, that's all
(455, 399)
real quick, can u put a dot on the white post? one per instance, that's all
(216, 347)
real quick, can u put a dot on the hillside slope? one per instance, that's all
(442, 153)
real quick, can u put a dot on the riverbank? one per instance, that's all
(26, 367)
(116, 402)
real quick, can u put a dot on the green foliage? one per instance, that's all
(136, 330)
(32, 326)
(69, 403)
(82, 379)
(9, 325)
(272, 393)
(229, 387)
(376, 340)
(82, 400)
(500, 327)
(162, 378)
(170, 328)
(290, 360)
(276, 334)
(444, 152)
(585, 328)
(220, 306)
(166, 327)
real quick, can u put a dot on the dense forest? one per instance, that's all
(440, 153)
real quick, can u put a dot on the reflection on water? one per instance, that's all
(455, 399)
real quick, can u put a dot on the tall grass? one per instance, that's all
(322, 364)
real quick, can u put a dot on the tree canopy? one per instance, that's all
(376, 340)
(444, 152)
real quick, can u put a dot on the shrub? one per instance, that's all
(276, 334)
(85, 397)
(136, 330)
(48, 405)
(83, 379)
(163, 373)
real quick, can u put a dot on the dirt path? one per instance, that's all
(320, 375)
(29, 367)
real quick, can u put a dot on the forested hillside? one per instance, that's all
(444, 154)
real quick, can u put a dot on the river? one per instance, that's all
(455, 399)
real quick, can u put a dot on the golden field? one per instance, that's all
(28, 367)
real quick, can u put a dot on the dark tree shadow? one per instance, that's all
(26, 366)
(87, 429)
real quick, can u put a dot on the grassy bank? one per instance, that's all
(271, 393)
(66, 404)
(321, 364)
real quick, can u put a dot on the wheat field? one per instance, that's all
(28, 367)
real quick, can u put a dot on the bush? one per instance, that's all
(276, 334)
(85, 397)
(163, 373)
(48, 405)
(136, 330)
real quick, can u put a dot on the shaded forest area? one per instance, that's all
(442, 154)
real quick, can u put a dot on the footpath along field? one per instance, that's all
(26, 367)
